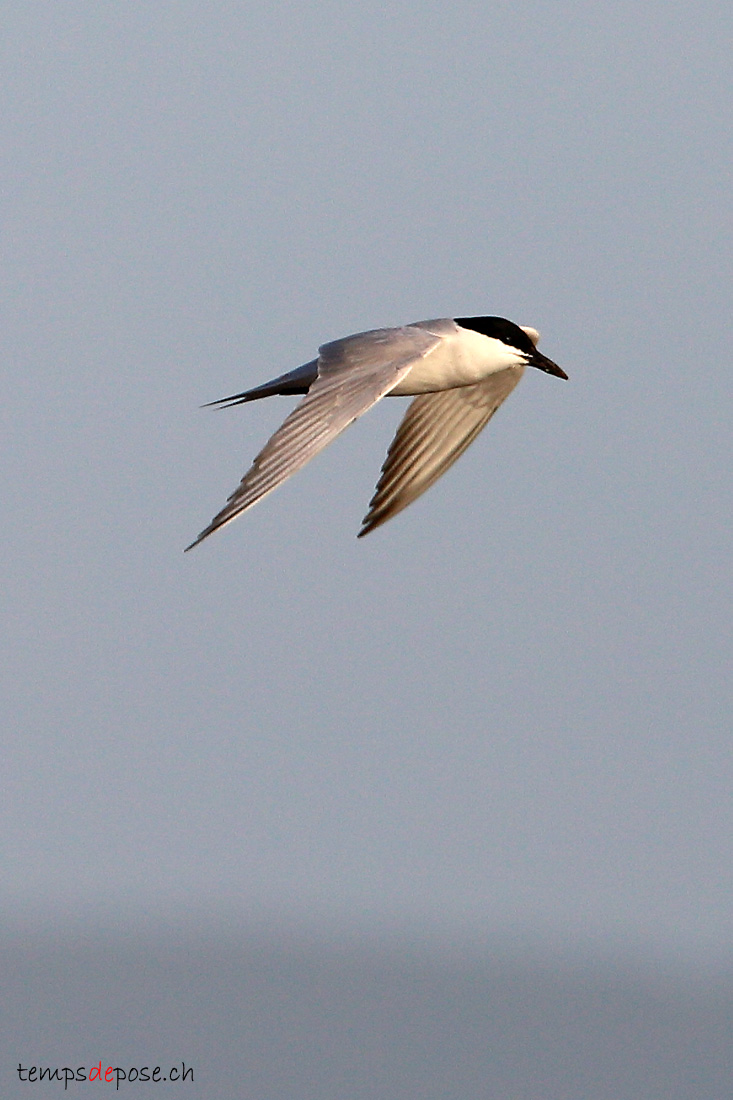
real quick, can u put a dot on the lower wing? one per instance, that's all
(435, 431)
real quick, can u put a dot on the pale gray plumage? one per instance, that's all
(434, 432)
(461, 372)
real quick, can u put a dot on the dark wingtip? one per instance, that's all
(369, 523)
(199, 538)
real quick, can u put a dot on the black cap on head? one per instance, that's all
(499, 328)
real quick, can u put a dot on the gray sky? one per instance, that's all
(508, 711)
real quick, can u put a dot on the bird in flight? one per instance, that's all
(459, 370)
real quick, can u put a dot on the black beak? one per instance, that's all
(543, 363)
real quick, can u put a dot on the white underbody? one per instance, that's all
(462, 358)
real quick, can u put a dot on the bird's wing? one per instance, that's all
(434, 432)
(353, 374)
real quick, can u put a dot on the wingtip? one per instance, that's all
(368, 524)
(197, 540)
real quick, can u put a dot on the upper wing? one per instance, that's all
(353, 374)
(434, 432)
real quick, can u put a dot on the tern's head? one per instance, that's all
(523, 341)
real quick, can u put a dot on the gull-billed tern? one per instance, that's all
(458, 370)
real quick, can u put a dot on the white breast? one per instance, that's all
(462, 358)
